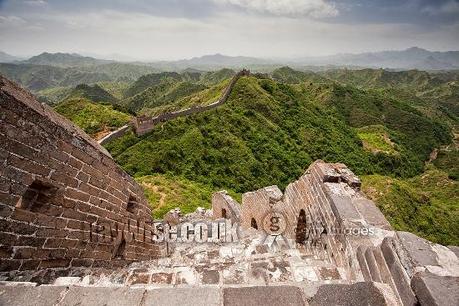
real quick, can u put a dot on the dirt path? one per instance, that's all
(154, 188)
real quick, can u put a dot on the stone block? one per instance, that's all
(254, 296)
(418, 250)
(359, 294)
(183, 297)
(436, 290)
(31, 296)
(102, 296)
(370, 213)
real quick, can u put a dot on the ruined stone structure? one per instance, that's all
(143, 125)
(63, 201)
(66, 208)
(326, 214)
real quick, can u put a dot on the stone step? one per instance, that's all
(399, 275)
(386, 276)
(372, 265)
(360, 253)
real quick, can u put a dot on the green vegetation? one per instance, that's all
(448, 161)
(116, 89)
(268, 132)
(53, 95)
(426, 205)
(167, 192)
(93, 93)
(94, 119)
(376, 139)
(164, 94)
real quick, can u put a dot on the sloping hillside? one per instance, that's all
(95, 119)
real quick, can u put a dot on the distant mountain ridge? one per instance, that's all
(8, 58)
(64, 60)
(412, 58)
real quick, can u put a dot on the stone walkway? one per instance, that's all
(247, 262)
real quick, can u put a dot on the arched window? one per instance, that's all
(39, 197)
(132, 204)
(253, 223)
(301, 228)
(224, 213)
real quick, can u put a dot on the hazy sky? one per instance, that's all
(172, 29)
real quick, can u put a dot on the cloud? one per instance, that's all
(292, 8)
(450, 7)
(11, 21)
(36, 2)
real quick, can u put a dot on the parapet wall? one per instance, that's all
(143, 125)
(63, 201)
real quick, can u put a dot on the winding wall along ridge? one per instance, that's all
(143, 125)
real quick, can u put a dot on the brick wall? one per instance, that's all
(63, 200)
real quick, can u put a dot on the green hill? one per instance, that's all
(289, 76)
(153, 79)
(426, 205)
(95, 119)
(93, 93)
(268, 132)
(215, 77)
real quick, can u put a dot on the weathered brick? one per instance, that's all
(75, 224)
(54, 263)
(30, 241)
(24, 215)
(25, 253)
(28, 166)
(83, 177)
(18, 175)
(9, 265)
(8, 238)
(4, 184)
(69, 243)
(79, 262)
(31, 264)
(75, 163)
(50, 232)
(64, 179)
(6, 251)
(77, 195)
(82, 156)
(98, 183)
(5, 210)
